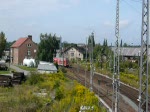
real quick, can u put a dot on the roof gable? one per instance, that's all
(47, 67)
(19, 42)
(80, 49)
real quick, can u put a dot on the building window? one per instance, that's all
(28, 45)
(72, 54)
(29, 53)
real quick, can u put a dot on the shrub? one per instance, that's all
(34, 78)
(63, 70)
(59, 93)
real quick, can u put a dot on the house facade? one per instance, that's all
(74, 52)
(23, 48)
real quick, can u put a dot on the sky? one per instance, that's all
(73, 20)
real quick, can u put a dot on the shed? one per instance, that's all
(47, 68)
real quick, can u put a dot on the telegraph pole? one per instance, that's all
(86, 63)
(116, 74)
(144, 55)
(91, 62)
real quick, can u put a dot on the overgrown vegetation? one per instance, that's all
(47, 93)
(4, 72)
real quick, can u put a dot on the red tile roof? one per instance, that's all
(19, 42)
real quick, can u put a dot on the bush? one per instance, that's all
(35, 78)
(63, 70)
(59, 93)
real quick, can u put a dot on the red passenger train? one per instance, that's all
(61, 61)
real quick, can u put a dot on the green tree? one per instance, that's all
(97, 51)
(125, 45)
(2, 43)
(121, 43)
(91, 37)
(9, 44)
(47, 47)
(105, 43)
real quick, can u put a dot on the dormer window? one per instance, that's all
(28, 45)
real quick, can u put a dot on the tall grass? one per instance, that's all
(46, 93)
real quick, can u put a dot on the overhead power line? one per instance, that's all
(131, 6)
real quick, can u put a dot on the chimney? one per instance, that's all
(30, 37)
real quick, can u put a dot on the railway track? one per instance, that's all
(104, 90)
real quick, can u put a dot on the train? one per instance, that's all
(61, 61)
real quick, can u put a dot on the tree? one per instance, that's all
(121, 43)
(91, 37)
(47, 47)
(125, 45)
(9, 44)
(97, 51)
(2, 43)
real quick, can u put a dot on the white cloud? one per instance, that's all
(108, 24)
(123, 23)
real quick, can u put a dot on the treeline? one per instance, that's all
(50, 43)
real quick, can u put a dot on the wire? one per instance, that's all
(135, 9)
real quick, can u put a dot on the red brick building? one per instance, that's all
(23, 48)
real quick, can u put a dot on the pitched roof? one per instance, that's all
(19, 42)
(129, 51)
(47, 67)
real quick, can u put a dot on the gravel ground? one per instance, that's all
(20, 70)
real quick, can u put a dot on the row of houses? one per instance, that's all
(26, 48)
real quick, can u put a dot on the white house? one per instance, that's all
(74, 52)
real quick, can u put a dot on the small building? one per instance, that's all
(129, 53)
(23, 48)
(47, 68)
(74, 52)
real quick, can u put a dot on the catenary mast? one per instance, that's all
(144, 71)
(116, 78)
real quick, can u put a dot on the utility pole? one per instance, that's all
(144, 55)
(116, 74)
(86, 62)
(91, 62)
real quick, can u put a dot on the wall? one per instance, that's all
(77, 54)
(23, 50)
(14, 54)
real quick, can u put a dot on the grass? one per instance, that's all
(28, 68)
(4, 72)
(62, 95)
(7, 72)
